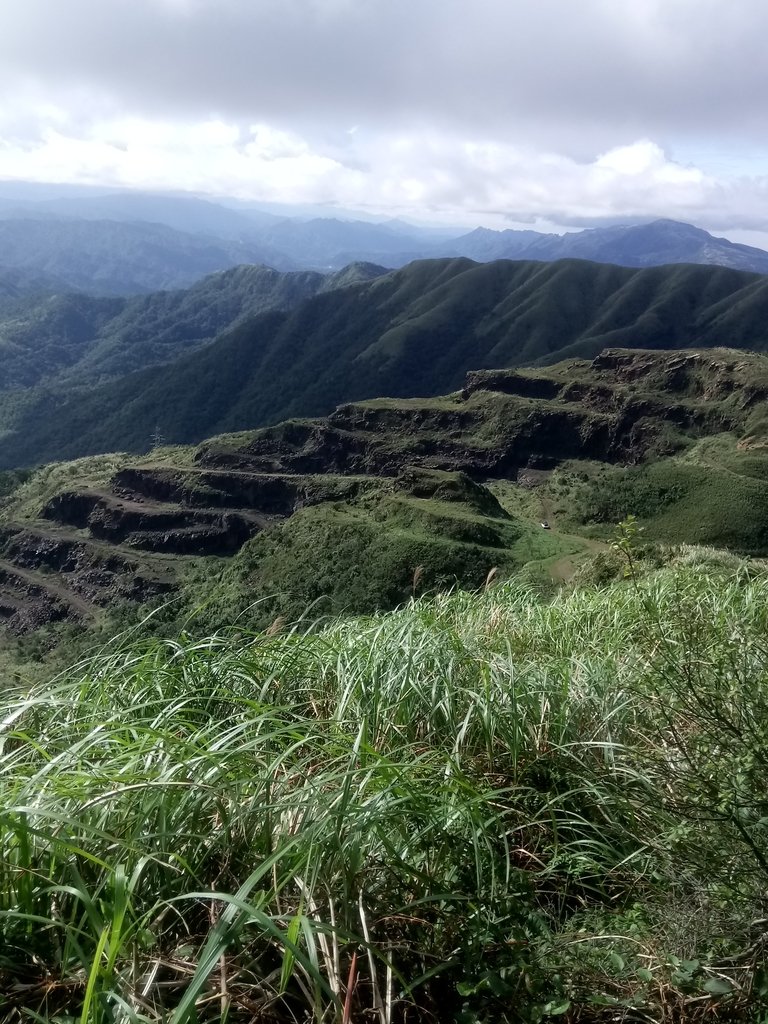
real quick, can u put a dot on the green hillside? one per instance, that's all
(76, 338)
(423, 710)
(416, 331)
(425, 493)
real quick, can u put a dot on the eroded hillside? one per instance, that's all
(384, 489)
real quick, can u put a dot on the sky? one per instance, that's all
(551, 114)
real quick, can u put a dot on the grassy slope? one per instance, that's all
(369, 554)
(421, 533)
(711, 490)
(95, 471)
(489, 808)
(78, 338)
(714, 492)
(415, 331)
(424, 531)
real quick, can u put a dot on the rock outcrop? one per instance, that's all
(89, 547)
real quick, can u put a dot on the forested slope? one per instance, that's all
(416, 331)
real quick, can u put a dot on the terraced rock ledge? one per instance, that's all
(89, 548)
(86, 547)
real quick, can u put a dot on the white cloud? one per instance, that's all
(561, 111)
(575, 77)
(418, 175)
(645, 159)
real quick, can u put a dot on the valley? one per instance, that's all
(72, 339)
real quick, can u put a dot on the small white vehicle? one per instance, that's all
(545, 525)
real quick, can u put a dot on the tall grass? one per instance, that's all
(479, 807)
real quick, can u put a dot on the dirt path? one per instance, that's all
(46, 583)
(563, 568)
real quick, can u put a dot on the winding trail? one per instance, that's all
(564, 568)
(48, 583)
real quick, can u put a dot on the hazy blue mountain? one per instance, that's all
(324, 241)
(335, 243)
(122, 258)
(19, 283)
(639, 245)
(183, 213)
(165, 240)
(484, 244)
(129, 242)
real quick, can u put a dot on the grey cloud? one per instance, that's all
(574, 76)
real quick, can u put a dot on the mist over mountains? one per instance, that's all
(132, 242)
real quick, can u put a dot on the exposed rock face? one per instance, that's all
(710, 374)
(26, 605)
(95, 575)
(92, 547)
(261, 492)
(152, 526)
(502, 422)
(511, 382)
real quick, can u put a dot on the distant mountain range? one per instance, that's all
(410, 332)
(132, 242)
(640, 245)
(106, 257)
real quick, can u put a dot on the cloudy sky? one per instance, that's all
(550, 113)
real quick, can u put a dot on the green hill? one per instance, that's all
(414, 331)
(424, 493)
(522, 804)
(76, 338)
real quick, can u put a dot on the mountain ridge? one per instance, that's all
(77, 337)
(661, 241)
(169, 240)
(417, 330)
(104, 257)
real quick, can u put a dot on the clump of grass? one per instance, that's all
(478, 807)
